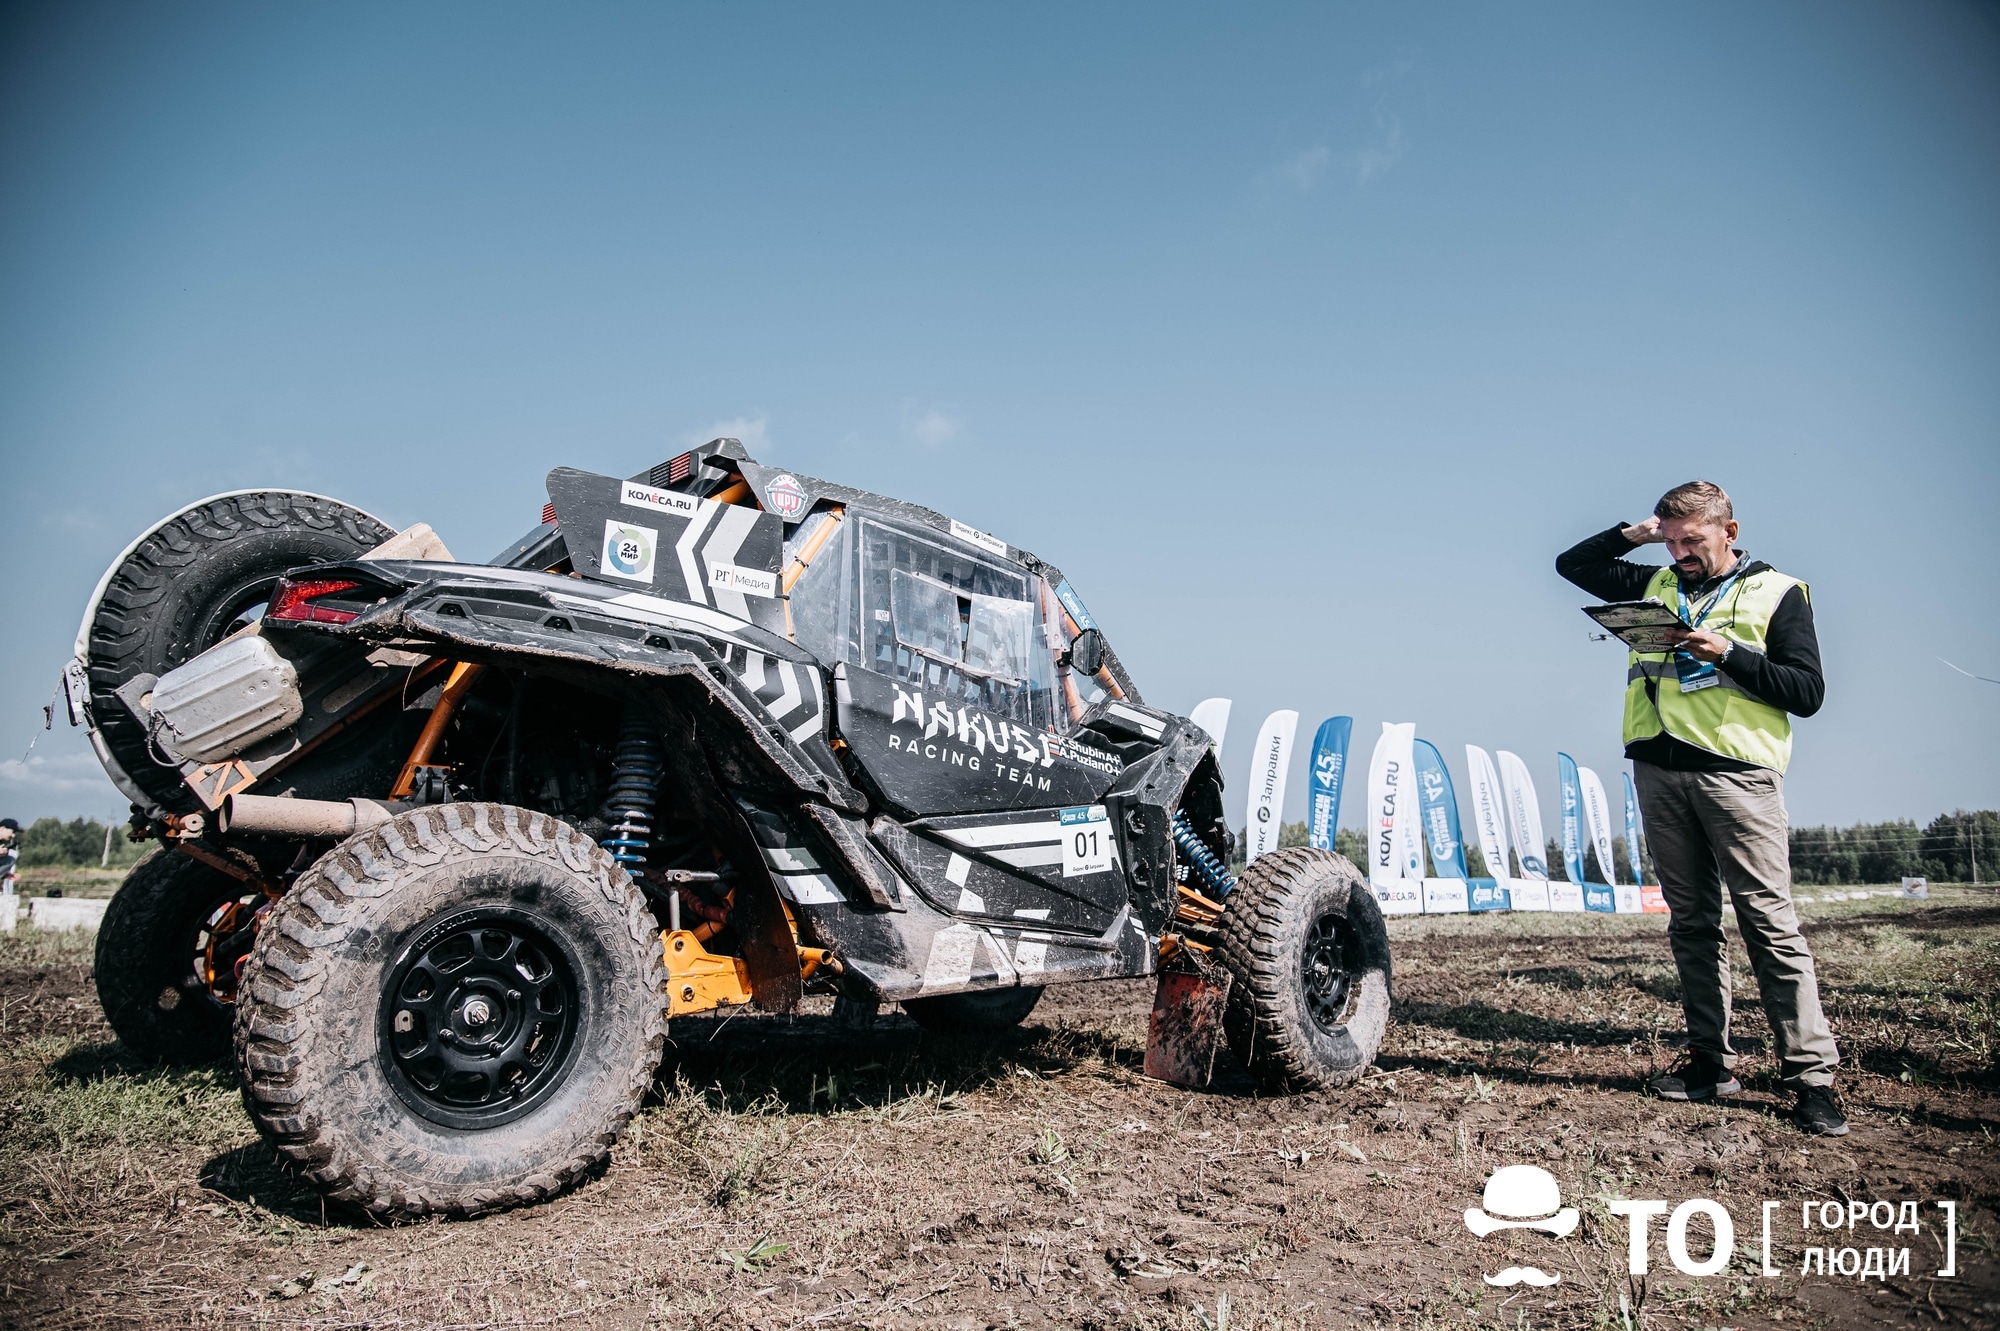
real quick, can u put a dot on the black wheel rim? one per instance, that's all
(1323, 971)
(480, 1017)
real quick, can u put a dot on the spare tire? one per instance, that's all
(183, 587)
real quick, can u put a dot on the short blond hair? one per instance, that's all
(1696, 499)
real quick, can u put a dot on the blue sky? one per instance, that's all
(1302, 337)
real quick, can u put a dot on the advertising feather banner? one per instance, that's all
(1392, 821)
(1329, 768)
(1212, 715)
(1268, 766)
(1447, 892)
(1489, 826)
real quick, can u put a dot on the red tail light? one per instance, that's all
(293, 601)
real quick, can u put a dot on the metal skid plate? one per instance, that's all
(1186, 1028)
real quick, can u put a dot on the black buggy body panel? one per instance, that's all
(907, 809)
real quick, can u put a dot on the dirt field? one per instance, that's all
(794, 1174)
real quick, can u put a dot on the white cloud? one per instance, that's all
(1302, 170)
(62, 785)
(929, 426)
(1386, 143)
(1385, 146)
(753, 431)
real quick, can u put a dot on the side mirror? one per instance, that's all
(1086, 653)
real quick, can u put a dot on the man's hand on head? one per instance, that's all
(1644, 533)
(1703, 645)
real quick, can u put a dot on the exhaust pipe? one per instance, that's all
(335, 819)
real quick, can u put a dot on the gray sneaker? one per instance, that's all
(1696, 1077)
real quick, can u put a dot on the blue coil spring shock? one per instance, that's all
(1216, 881)
(636, 767)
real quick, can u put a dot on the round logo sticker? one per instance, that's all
(787, 500)
(628, 551)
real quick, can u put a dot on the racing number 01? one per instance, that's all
(1086, 840)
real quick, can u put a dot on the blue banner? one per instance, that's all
(1329, 767)
(1572, 816)
(1632, 832)
(1440, 811)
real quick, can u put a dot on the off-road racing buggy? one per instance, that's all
(445, 845)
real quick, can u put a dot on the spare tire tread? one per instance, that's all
(138, 629)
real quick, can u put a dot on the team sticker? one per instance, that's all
(786, 497)
(628, 551)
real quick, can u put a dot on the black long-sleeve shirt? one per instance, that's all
(1786, 674)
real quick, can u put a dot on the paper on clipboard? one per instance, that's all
(1644, 626)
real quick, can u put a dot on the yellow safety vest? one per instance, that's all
(1721, 718)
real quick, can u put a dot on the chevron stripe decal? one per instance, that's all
(791, 694)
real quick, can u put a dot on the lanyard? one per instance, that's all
(1713, 601)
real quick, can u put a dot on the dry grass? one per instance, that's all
(794, 1173)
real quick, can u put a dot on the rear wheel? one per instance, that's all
(192, 581)
(168, 945)
(980, 1011)
(1305, 942)
(453, 1012)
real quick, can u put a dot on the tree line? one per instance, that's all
(80, 843)
(1961, 847)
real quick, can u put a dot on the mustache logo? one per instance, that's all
(1522, 1275)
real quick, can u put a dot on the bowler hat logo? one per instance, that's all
(1522, 1197)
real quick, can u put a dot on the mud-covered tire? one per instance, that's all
(327, 1072)
(1289, 1021)
(176, 593)
(146, 952)
(979, 1012)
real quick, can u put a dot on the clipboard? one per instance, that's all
(1644, 626)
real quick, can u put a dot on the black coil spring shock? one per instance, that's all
(636, 767)
(1216, 880)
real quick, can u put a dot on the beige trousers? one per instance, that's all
(1712, 832)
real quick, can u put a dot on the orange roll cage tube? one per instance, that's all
(463, 677)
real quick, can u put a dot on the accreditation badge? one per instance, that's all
(1695, 675)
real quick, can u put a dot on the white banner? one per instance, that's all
(1394, 824)
(1446, 896)
(1489, 815)
(1524, 811)
(1212, 715)
(1529, 894)
(1597, 819)
(1268, 766)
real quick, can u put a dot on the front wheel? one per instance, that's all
(1305, 942)
(454, 1012)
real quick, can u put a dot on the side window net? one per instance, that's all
(996, 637)
(955, 624)
(924, 615)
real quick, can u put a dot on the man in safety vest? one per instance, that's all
(1707, 730)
